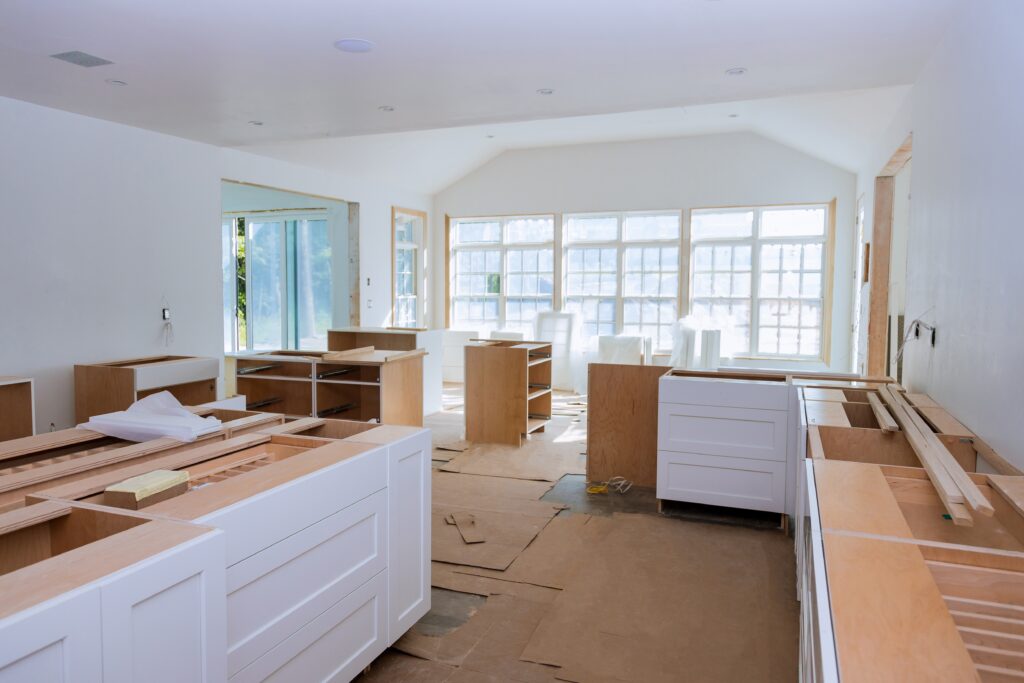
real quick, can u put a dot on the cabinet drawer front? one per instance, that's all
(153, 375)
(713, 430)
(714, 480)
(274, 593)
(703, 391)
(268, 517)
(336, 645)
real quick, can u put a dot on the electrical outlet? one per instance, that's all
(369, 304)
(165, 313)
(933, 337)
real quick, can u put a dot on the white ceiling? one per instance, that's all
(203, 70)
(840, 128)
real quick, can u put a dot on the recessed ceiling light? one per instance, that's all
(355, 45)
(255, 123)
(734, 116)
(545, 91)
(114, 81)
(738, 71)
(490, 137)
(386, 107)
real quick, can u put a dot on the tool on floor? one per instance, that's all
(617, 484)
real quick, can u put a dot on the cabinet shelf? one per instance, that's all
(508, 390)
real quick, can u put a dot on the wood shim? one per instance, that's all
(950, 494)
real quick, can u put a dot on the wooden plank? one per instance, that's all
(823, 394)
(33, 514)
(622, 422)
(885, 420)
(16, 448)
(814, 444)
(899, 158)
(890, 621)
(944, 423)
(948, 489)
(878, 299)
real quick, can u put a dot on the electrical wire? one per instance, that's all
(910, 330)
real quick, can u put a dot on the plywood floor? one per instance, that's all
(620, 593)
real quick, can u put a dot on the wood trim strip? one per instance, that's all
(878, 303)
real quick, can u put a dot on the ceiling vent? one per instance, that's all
(81, 59)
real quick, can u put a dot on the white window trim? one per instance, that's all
(755, 240)
(620, 245)
(420, 272)
(502, 247)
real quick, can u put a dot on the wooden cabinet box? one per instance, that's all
(398, 339)
(508, 390)
(46, 460)
(17, 408)
(380, 386)
(108, 387)
(110, 596)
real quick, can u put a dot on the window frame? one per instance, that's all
(755, 241)
(288, 311)
(620, 244)
(421, 263)
(502, 246)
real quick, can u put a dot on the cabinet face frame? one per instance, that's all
(420, 274)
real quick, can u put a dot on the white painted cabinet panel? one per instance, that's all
(715, 430)
(163, 618)
(57, 641)
(274, 593)
(728, 393)
(818, 661)
(335, 646)
(716, 480)
(408, 532)
(268, 517)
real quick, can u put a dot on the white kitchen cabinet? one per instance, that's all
(725, 441)
(818, 661)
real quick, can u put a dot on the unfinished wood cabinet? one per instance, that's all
(367, 385)
(17, 407)
(45, 460)
(108, 595)
(508, 390)
(400, 339)
(108, 387)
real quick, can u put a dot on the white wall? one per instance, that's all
(104, 222)
(738, 169)
(966, 240)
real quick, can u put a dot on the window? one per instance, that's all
(502, 272)
(276, 282)
(408, 234)
(758, 274)
(622, 273)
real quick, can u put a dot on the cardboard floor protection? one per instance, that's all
(535, 460)
(659, 597)
(454, 647)
(554, 556)
(455, 487)
(506, 534)
(396, 666)
(448, 576)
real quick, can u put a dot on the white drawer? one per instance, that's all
(274, 593)
(705, 391)
(153, 375)
(336, 645)
(715, 480)
(713, 430)
(270, 516)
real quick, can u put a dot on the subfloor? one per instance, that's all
(576, 586)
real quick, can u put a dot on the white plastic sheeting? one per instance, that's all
(153, 417)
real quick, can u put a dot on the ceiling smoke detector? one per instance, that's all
(386, 107)
(255, 123)
(354, 45)
(545, 91)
